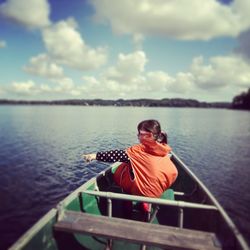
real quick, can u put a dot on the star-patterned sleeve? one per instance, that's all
(112, 156)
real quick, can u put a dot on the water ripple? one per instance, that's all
(40, 150)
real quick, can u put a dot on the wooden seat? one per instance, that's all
(137, 232)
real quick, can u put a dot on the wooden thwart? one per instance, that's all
(137, 232)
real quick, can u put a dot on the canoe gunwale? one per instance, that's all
(214, 201)
(25, 238)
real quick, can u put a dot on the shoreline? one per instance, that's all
(176, 102)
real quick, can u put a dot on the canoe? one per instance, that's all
(98, 215)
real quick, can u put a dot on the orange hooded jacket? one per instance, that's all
(153, 170)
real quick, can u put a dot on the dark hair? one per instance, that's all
(154, 127)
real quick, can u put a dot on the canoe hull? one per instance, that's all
(178, 211)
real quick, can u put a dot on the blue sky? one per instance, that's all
(62, 49)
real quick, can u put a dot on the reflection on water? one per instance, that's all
(40, 148)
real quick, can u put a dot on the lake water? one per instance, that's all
(40, 148)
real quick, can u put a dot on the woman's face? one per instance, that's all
(145, 136)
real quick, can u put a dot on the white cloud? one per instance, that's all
(24, 88)
(158, 80)
(2, 44)
(64, 87)
(223, 76)
(45, 88)
(65, 45)
(30, 13)
(127, 68)
(91, 87)
(220, 72)
(41, 65)
(2, 91)
(180, 19)
(127, 78)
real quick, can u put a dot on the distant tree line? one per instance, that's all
(175, 102)
(242, 101)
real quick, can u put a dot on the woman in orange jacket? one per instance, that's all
(146, 168)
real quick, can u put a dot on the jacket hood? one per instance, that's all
(153, 148)
(156, 148)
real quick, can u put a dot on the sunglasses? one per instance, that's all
(144, 134)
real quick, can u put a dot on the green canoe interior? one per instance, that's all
(197, 219)
(90, 204)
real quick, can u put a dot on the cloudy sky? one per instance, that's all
(62, 49)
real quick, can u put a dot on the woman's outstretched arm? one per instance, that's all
(107, 156)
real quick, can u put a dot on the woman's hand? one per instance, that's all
(89, 157)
